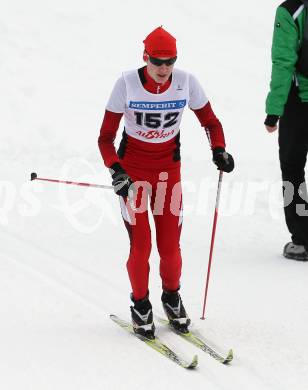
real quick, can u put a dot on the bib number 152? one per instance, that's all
(156, 120)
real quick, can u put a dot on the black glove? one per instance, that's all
(223, 160)
(271, 120)
(121, 182)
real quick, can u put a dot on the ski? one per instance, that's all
(156, 344)
(192, 338)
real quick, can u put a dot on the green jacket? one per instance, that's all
(288, 34)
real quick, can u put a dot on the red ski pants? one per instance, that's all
(162, 191)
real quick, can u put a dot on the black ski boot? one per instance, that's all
(295, 252)
(142, 317)
(175, 311)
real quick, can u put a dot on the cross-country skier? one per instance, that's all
(152, 100)
(287, 102)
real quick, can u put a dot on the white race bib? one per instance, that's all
(154, 117)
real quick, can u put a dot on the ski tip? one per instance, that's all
(229, 357)
(194, 363)
(33, 176)
(113, 317)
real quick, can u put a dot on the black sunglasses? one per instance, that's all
(159, 62)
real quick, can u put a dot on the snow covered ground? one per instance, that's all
(63, 248)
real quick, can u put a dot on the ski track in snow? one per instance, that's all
(58, 272)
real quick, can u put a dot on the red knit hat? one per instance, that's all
(159, 43)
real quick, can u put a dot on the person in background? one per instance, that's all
(152, 100)
(287, 102)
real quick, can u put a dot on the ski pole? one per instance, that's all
(35, 177)
(76, 183)
(212, 242)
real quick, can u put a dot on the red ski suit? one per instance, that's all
(155, 169)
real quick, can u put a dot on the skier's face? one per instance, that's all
(160, 72)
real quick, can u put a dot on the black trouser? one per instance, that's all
(293, 147)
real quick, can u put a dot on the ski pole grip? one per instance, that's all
(33, 176)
